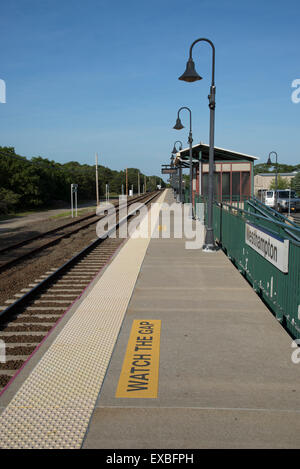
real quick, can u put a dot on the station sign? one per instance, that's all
(273, 248)
(168, 171)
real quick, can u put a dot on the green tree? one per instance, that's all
(280, 168)
(296, 183)
(40, 182)
(261, 168)
(8, 201)
(281, 183)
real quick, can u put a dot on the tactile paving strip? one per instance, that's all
(53, 407)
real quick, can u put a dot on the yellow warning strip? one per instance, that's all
(139, 375)
(53, 407)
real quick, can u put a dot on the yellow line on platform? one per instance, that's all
(53, 407)
(139, 375)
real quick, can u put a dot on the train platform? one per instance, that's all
(169, 348)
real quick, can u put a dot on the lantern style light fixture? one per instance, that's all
(190, 75)
(174, 151)
(179, 126)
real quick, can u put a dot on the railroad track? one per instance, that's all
(15, 253)
(27, 319)
(30, 239)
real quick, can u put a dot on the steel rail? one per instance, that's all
(53, 230)
(12, 262)
(27, 297)
(42, 235)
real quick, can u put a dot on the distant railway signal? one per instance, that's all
(74, 190)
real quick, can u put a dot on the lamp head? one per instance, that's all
(269, 162)
(190, 73)
(178, 125)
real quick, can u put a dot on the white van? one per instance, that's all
(269, 197)
(286, 200)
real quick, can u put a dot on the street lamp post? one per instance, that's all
(172, 175)
(174, 151)
(179, 126)
(269, 163)
(190, 75)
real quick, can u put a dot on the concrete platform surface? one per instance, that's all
(226, 379)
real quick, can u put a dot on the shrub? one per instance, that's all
(8, 200)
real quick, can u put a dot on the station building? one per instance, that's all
(233, 174)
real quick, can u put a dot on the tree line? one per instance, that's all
(38, 182)
(281, 168)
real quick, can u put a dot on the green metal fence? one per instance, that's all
(235, 200)
(280, 290)
(256, 206)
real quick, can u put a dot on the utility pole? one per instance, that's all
(145, 183)
(97, 185)
(139, 192)
(126, 182)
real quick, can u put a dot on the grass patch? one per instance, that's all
(68, 213)
(17, 215)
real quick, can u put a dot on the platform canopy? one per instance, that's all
(201, 151)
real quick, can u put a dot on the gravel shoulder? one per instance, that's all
(33, 228)
(21, 223)
(19, 276)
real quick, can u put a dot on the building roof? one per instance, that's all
(220, 154)
(280, 174)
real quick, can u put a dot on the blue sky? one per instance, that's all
(102, 76)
